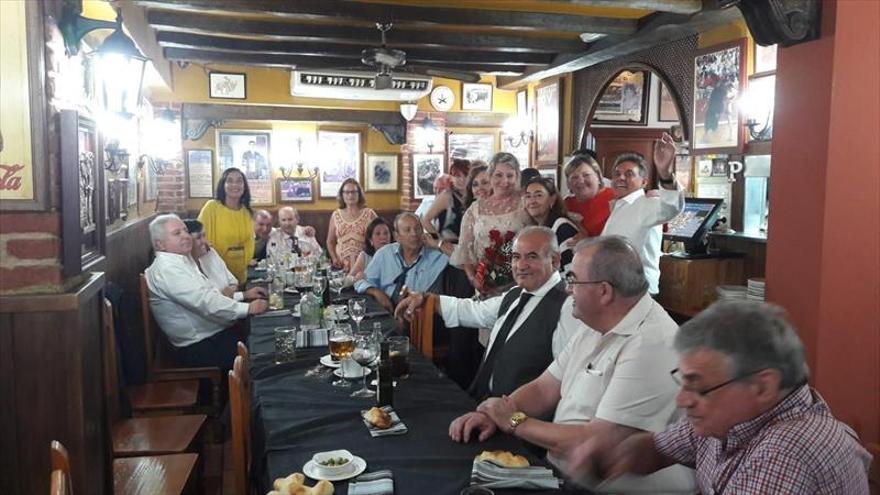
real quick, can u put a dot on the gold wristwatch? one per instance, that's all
(516, 419)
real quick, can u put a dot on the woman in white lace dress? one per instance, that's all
(502, 211)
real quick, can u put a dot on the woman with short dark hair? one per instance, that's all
(378, 235)
(544, 205)
(229, 224)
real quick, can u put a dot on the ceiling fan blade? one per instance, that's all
(447, 73)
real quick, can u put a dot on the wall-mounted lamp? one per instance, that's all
(428, 135)
(301, 171)
(516, 132)
(117, 158)
(408, 110)
(119, 64)
(757, 106)
(157, 166)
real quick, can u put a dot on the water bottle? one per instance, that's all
(310, 311)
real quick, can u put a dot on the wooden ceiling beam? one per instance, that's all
(400, 37)
(320, 49)
(657, 30)
(671, 6)
(410, 14)
(310, 62)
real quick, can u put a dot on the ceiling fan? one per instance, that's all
(386, 60)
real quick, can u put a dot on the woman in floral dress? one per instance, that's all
(348, 225)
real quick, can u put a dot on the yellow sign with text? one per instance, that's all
(16, 161)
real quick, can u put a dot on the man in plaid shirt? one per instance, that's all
(753, 424)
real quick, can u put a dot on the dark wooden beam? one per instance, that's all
(411, 14)
(476, 119)
(311, 62)
(672, 6)
(658, 29)
(210, 111)
(320, 49)
(400, 37)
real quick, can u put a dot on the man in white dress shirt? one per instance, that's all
(612, 377)
(290, 233)
(639, 217)
(191, 311)
(525, 336)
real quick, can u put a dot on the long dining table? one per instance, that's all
(297, 412)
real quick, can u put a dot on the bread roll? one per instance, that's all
(379, 418)
(293, 485)
(504, 458)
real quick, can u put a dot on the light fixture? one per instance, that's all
(757, 104)
(301, 171)
(408, 110)
(117, 157)
(427, 134)
(516, 132)
(118, 62)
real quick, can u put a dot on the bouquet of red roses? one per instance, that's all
(494, 270)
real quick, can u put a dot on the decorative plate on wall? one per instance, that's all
(442, 98)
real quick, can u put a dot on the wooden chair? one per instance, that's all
(60, 479)
(160, 368)
(240, 413)
(421, 332)
(145, 435)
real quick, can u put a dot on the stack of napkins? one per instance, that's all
(491, 475)
(397, 427)
(312, 338)
(375, 483)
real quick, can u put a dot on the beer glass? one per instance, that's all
(341, 346)
(398, 348)
(276, 294)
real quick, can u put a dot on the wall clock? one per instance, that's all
(442, 98)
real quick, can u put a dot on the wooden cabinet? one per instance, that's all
(687, 286)
(613, 141)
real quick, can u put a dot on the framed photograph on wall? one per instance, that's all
(549, 123)
(380, 172)
(522, 104)
(200, 173)
(248, 151)
(295, 190)
(227, 85)
(666, 109)
(426, 168)
(476, 96)
(472, 146)
(550, 173)
(719, 167)
(340, 159)
(719, 78)
(625, 99)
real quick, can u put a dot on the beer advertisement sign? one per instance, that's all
(16, 160)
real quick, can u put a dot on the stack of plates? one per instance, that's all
(731, 292)
(755, 290)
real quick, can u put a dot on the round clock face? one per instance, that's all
(442, 98)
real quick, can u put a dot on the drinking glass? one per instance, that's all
(285, 345)
(341, 346)
(336, 282)
(357, 308)
(319, 285)
(398, 352)
(276, 294)
(366, 349)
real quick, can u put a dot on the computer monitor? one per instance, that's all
(692, 224)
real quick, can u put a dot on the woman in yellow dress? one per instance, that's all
(229, 224)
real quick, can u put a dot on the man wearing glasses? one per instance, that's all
(753, 423)
(611, 380)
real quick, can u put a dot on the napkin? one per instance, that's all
(397, 427)
(375, 483)
(312, 338)
(277, 312)
(491, 475)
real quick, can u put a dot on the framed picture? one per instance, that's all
(248, 151)
(200, 173)
(340, 159)
(666, 109)
(765, 58)
(472, 146)
(548, 112)
(295, 190)
(522, 104)
(380, 173)
(719, 167)
(704, 168)
(550, 173)
(476, 96)
(625, 99)
(719, 79)
(227, 85)
(426, 168)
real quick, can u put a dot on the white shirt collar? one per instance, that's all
(554, 279)
(635, 317)
(633, 196)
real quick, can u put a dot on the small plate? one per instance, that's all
(290, 290)
(311, 470)
(327, 361)
(365, 371)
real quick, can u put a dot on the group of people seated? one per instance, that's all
(580, 361)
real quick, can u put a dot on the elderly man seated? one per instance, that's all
(189, 308)
(291, 237)
(753, 423)
(612, 378)
(526, 336)
(406, 262)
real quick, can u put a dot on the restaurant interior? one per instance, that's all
(117, 111)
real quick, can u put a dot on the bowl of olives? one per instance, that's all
(334, 462)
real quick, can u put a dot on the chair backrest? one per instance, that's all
(60, 476)
(111, 377)
(421, 329)
(245, 365)
(156, 346)
(239, 408)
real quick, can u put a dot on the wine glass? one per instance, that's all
(341, 346)
(336, 282)
(357, 308)
(366, 349)
(319, 285)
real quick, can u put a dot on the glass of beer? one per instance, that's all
(341, 346)
(285, 345)
(398, 348)
(276, 294)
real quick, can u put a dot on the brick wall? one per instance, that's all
(407, 202)
(171, 190)
(29, 252)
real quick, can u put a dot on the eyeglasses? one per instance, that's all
(349, 192)
(679, 380)
(570, 280)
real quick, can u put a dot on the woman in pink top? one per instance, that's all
(348, 225)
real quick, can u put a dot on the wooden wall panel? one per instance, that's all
(9, 465)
